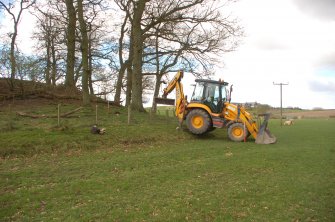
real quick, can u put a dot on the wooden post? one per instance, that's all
(10, 123)
(281, 101)
(96, 114)
(129, 114)
(58, 115)
(150, 114)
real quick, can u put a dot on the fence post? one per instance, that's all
(96, 114)
(151, 113)
(129, 114)
(58, 115)
(10, 123)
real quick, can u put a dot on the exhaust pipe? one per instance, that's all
(264, 135)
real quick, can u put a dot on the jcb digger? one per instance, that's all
(210, 108)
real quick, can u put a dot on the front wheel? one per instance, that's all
(236, 132)
(198, 121)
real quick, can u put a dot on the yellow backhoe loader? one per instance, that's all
(210, 108)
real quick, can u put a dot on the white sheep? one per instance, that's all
(288, 122)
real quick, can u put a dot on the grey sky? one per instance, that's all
(324, 9)
(286, 41)
(318, 86)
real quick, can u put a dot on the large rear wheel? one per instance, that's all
(236, 132)
(198, 121)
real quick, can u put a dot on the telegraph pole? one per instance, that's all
(281, 100)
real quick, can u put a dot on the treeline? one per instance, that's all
(125, 47)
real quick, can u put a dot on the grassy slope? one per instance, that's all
(149, 171)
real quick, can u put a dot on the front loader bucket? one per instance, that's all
(165, 101)
(264, 135)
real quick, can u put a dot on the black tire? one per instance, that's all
(198, 121)
(248, 133)
(236, 132)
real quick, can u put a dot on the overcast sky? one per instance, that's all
(286, 41)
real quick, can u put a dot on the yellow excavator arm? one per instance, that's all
(181, 101)
(175, 83)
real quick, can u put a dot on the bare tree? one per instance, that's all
(95, 19)
(9, 8)
(54, 41)
(137, 39)
(48, 35)
(71, 43)
(4, 61)
(92, 37)
(167, 35)
(84, 53)
(190, 41)
(122, 63)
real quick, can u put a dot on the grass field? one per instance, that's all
(149, 171)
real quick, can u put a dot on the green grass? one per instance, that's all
(148, 171)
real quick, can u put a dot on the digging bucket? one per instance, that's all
(165, 101)
(264, 135)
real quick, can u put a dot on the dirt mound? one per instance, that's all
(23, 94)
(18, 91)
(20, 88)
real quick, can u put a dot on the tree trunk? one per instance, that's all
(84, 50)
(158, 76)
(156, 92)
(90, 68)
(137, 39)
(12, 56)
(129, 85)
(12, 52)
(54, 63)
(123, 65)
(71, 40)
(90, 85)
(129, 69)
(48, 68)
(118, 87)
(77, 71)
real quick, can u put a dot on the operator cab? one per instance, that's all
(211, 93)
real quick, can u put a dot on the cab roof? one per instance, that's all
(220, 82)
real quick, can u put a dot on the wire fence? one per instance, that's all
(14, 116)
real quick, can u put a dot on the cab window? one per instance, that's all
(198, 92)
